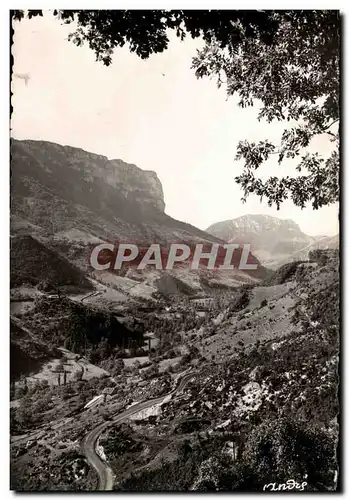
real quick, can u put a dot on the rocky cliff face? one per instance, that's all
(57, 190)
(134, 184)
(70, 199)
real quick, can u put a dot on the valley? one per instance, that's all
(160, 380)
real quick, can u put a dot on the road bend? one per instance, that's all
(88, 445)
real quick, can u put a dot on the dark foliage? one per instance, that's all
(297, 82)
(287, 60)
(145, 31)
(279, 450)
(82, 329)
(285, 273)
(273, 451)
(34, 263)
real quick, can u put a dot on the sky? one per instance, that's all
(153, 113)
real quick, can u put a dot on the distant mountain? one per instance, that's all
(274, 241)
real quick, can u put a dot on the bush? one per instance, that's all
(285, 273)
(284, 448)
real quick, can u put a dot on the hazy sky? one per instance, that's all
(183, 128)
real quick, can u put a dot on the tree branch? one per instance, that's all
(330, 125)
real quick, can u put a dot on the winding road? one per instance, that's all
(88, 445)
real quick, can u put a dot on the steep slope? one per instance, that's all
(27, 353)
(78, 326)
(274, 241)
(58, 188)
(71, 200)
(265, 410)
(34, 263)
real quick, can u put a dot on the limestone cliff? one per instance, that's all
(57, 189)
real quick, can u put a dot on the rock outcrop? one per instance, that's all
(70, 199)
(56, 188)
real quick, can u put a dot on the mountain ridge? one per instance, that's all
(274, 241)
(58, 188)
(69, 199)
